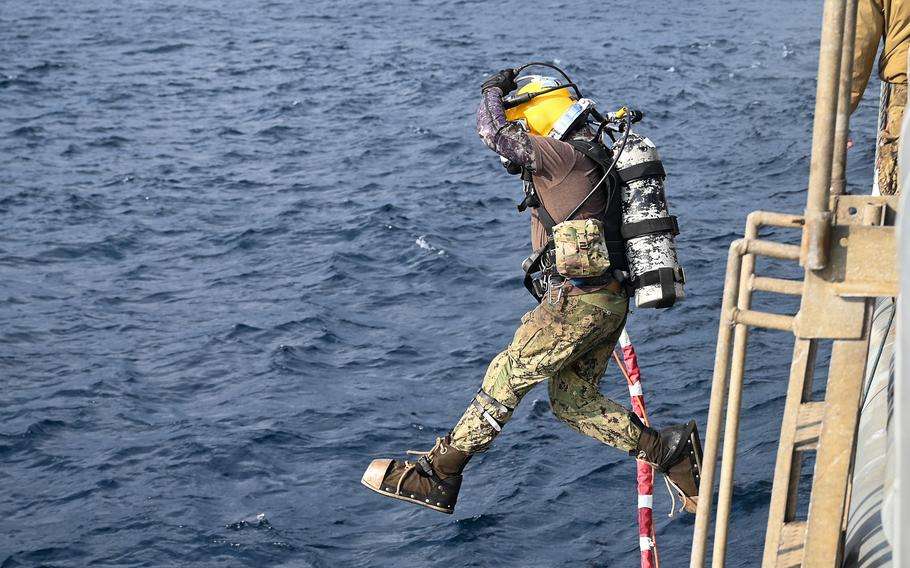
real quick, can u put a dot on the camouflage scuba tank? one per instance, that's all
(648, 228)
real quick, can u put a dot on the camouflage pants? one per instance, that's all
(892, 112)
(570, 344)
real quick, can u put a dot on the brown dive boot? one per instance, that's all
(676, 453)
(433, 480)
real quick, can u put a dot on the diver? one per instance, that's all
(574, 193)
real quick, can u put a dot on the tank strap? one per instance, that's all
(660, 276)
(648, 226)
(654, 168)
(666, 277)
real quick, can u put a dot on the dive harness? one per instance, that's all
(541, 278)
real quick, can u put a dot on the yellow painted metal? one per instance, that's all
(858, 257)
(772, 249)
(842, 122)
(716, 406)
(851, 209)
(787, 469)
(735, 313)
(871, 263)
(848, 250)
(776, 285)
(818, 217)
(825, 314)
(762, 319)
(809, 425)
(834, 458)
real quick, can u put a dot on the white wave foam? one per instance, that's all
(422, 243)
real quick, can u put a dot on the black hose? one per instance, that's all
(625, 138)
(510, 102)
(551, 66)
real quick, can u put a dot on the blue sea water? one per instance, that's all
(249, 246)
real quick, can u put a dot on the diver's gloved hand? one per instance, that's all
(504, 79)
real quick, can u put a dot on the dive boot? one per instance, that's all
(433, 480)
(676, 453)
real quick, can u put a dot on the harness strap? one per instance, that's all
(648, 226)
(653, 168)
(665, 276)
(534, 263)
(531, 199)
(545, 218)
(597, 152)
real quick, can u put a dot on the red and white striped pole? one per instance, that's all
(632, 373)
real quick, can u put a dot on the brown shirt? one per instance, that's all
(563, 177)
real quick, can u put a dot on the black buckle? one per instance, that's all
(424, 467)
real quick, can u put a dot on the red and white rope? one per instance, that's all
(629, 367)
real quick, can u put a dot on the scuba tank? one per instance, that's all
(648, 228)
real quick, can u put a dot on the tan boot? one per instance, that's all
(676, 453)
(432, 481)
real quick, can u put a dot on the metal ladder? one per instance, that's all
(836, 305)
(848, 251)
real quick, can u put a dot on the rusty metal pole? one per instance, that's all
(817, 233)
(738, 371)
(734, 400)
(716, 405)
(842, 125)
(741, 256)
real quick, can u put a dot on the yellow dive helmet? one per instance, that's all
(553, 113)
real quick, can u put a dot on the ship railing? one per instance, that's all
(848, 253)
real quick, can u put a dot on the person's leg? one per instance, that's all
(576, 400)
(889, 138)
(549, 340)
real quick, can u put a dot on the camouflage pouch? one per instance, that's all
(581, 251)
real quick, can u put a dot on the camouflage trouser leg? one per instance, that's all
(889, 137)
(570, 344)
(576, 400)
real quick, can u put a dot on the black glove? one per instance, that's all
(504, 79)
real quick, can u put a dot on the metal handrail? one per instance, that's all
(826, 179)
(842, 123)
(736, 317)
(817, 233)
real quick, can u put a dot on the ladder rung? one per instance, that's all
(792, 540)
(809, 425)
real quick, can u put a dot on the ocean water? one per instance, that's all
(249, 246)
